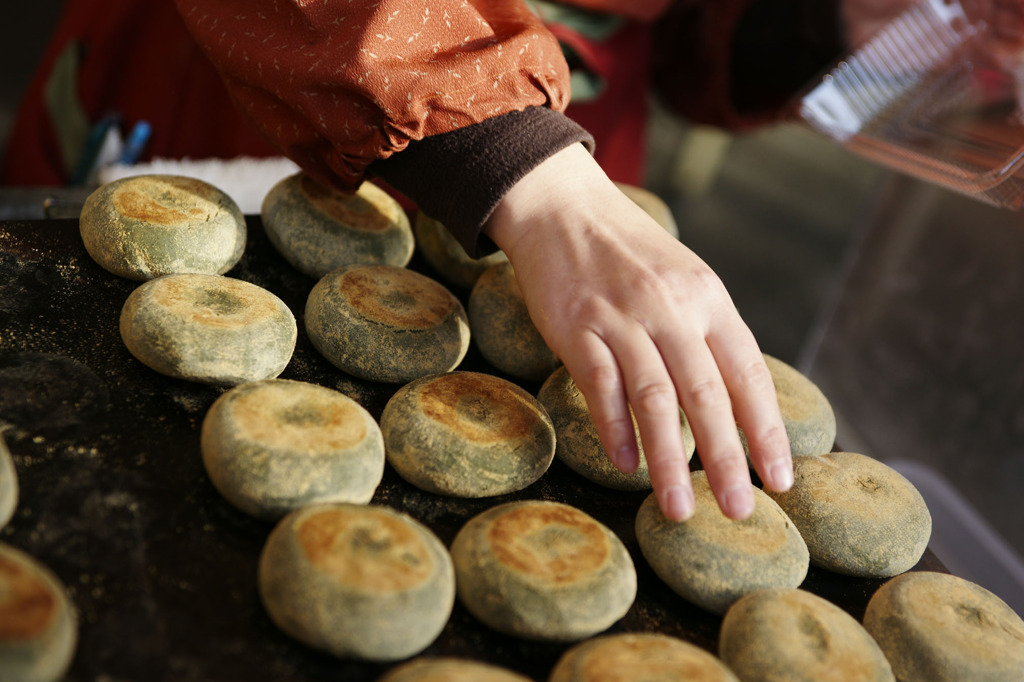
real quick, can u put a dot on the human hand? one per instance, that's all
(639, 320)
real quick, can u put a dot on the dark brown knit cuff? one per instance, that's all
(458, 178)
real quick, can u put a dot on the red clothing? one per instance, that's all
(337, 85)
(341, 86)
(450, 101)
(335, 88)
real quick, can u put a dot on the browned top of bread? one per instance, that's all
(28, 604)
(450, 670)
(290, 415)
(213, 300)
(384, 553)
(370, 209)
(647, 656)
(166, 200)
(518, 541)
(544, 570)
(145, 226)
(396, 296)
(481, 407)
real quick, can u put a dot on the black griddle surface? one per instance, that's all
(162, 570)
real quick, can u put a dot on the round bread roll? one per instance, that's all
(145, 226)
(936, 627)
(502, 328)
(276, 445)
(651, 657)
(577, 444)
(319, 229)
(450, 670)
(653, 205)
(208, 328)
(446, 255)
(8, 483)
(858, 516)
(38, 626)
(357, 581)
(467, 434)
(791, 635)
(386, 323)
(542, 570)
(712, 560)
(806, 413)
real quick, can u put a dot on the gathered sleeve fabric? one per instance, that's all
(338, 84)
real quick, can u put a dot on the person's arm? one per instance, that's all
(458, 178)
(635, 316)
(336, 85)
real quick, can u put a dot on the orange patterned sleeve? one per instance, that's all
(337, 84)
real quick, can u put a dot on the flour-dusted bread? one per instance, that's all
(145, 226)
(578, 445)
(647, 656)
(38, 624)
(806, 413)
(857, 515)
(791, 635)
(318, 229)
(444, 669)
(653, 205)
(8, 483)
(275, 445)
(358, 581)
(502, 328)
(712, 560)
(385, 323)
(446, 255)
(936, 627)
(542, 570)
(208, 328)
(467, 434)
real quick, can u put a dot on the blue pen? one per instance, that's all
(136, 143)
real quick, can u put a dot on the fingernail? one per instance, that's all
(780, 476)
(678, 504)
(626, 459)
(738, 503)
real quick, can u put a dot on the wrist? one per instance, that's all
(458, 178)
(543, 201)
